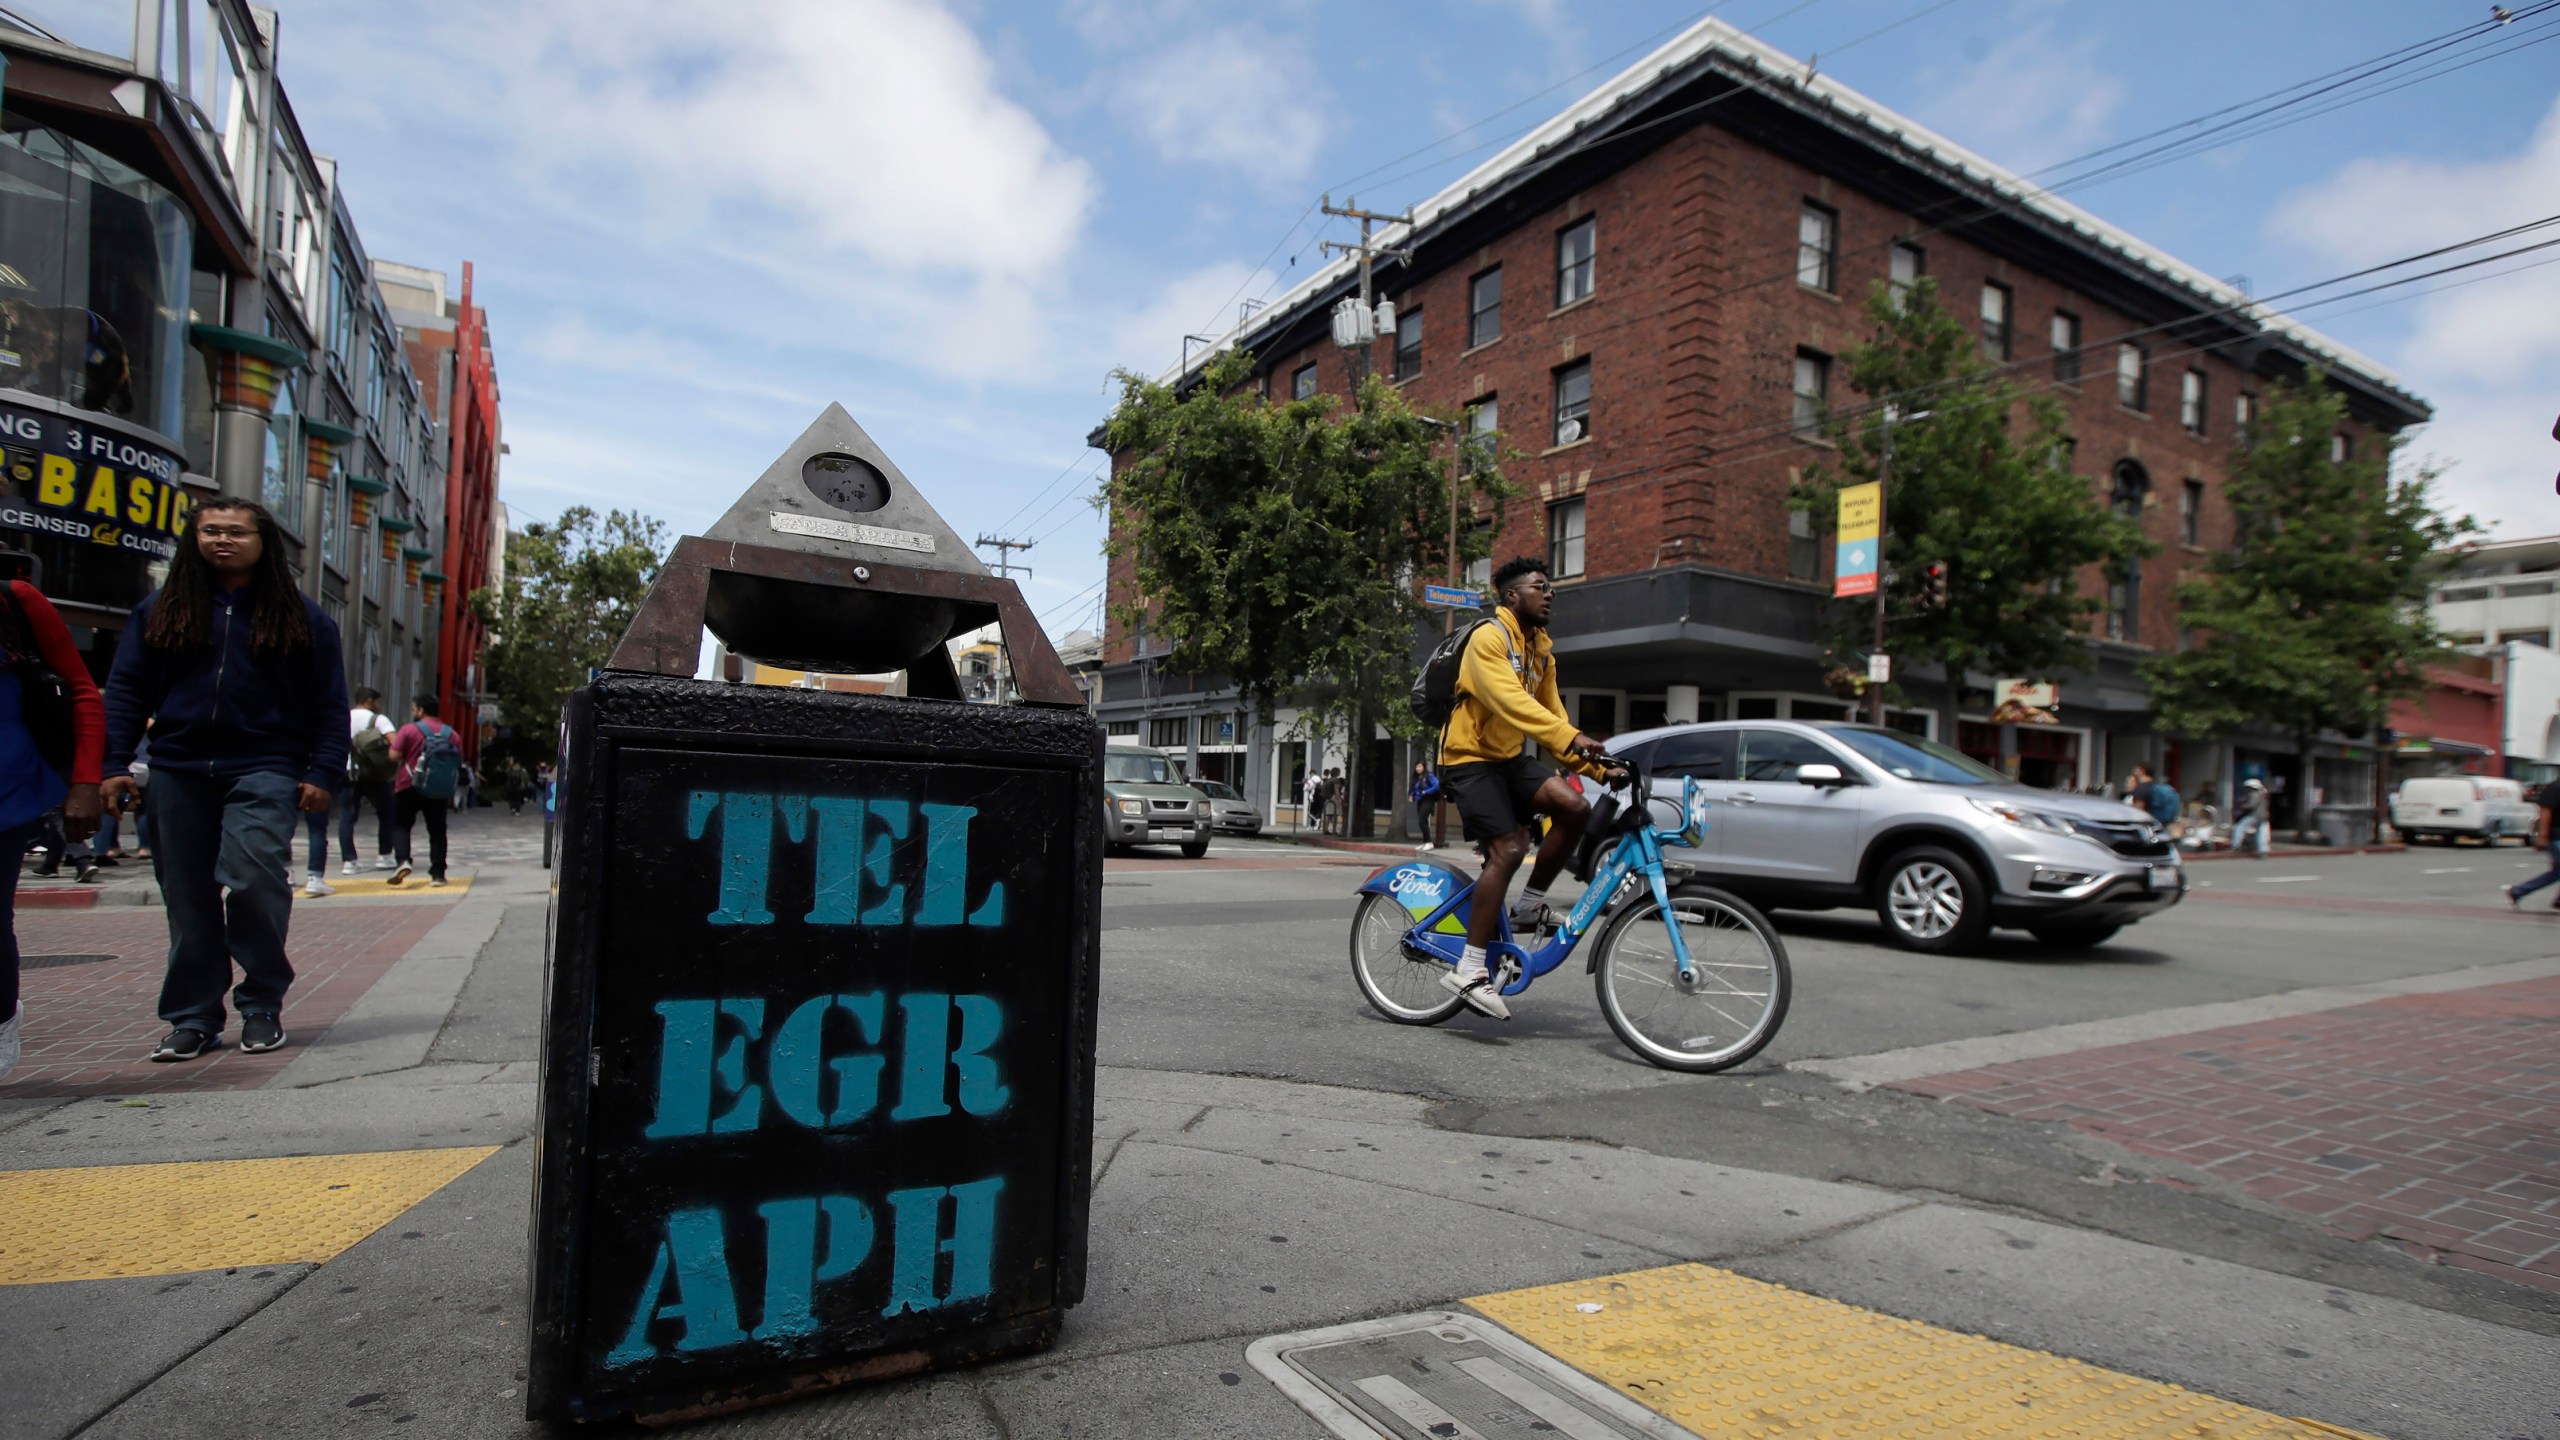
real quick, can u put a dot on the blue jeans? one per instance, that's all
(13, 843)
(2250, 827)
(315, 841)
(211, 834)
(2547, 877)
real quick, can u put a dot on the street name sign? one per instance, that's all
(1451, 597)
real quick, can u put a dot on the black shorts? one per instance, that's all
(1496, 797)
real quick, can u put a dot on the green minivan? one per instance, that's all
(1144, 802)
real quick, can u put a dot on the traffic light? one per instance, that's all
(1933, 585)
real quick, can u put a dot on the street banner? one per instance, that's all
(1861, 540)
(1451, 597)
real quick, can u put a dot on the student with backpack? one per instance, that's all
(428, 761)
(369, 771)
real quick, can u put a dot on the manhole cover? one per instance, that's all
(1440, 1375)
(48, 962)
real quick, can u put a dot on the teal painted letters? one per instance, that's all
(793, 1066)
(792, 1267)
(917, 1245)
(706, 1299)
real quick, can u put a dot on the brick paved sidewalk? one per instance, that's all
(2430, 1121)
(90, 1024)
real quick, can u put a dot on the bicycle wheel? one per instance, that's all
(1719, 1019)
(1399, 984)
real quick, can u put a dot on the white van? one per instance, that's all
(2448, 807)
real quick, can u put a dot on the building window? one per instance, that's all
(2191, 402)
(2191, 513)
(1122, 727)
(1564, 538)
(1484, 308)
(1573, 263)
(1483, 434)
(2341, 449)
(1813, 393)
(1302, 382)
(2124, 589)
(1804, 552)
(1573, 403)
(2066, 348)
(1997, 303)
(1817, 245)
(2133, 377)
(1909, 263)
(1169, 732)
(1409, 343)
(2244, 412)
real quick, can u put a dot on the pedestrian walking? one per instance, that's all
(1425, 788)
(369, 769)
(2547, 835)
(52, 739)
(2151, 795)
(2256, 808)
(429, 774)
(241, 679)
(1315, 801)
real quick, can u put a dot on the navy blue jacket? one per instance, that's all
(227, 710)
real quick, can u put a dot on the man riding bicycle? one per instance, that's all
(1506, 697)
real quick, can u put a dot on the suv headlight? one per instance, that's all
(1201, 808)
(2021, 816)
(1133, 807)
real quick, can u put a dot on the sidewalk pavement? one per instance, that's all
(376, 1284)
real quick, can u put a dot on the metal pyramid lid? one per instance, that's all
(834, 493)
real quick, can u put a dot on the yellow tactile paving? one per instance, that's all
(105, 1222)
(1731, 1357)
(380, 885)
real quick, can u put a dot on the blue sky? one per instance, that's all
(693, 225)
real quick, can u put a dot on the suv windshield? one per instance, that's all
(1136, 767)
(1910, 757)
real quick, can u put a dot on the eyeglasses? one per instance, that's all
(225, 532)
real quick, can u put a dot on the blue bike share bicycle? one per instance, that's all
(1689, 977)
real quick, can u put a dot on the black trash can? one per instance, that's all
(817, 1096)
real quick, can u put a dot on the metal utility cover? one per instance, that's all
(858, 507)
(1439, 1375)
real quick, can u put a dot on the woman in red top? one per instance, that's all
(32, 638)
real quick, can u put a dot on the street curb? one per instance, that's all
(2297, 852)
(1365, 847)
(395, 1023)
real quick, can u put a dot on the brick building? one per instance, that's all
(1645, 297)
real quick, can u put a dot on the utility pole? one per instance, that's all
(1875, 687)
(1004, 554)
(1350, 208)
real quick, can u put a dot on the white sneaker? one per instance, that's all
(318, 886)
(1477, 990)
(399, 873)
(9, 1041)
(435, 884)
(347, 871)
(382, 862)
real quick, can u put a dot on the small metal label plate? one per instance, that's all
(825, 529)
(1441, 1375)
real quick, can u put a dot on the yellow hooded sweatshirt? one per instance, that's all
(1507, 696)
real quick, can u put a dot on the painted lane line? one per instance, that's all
(2448, 870)
(1860, 1072)
(2286, 879)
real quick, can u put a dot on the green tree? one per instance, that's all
(1980, 484)
(2316, 620)
(1279, 543)
(571, 588)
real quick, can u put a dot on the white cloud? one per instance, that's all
(1149, 341)
(2026, 102)
(1239, 98)
(2485, 354)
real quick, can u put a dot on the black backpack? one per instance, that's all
(1435, 690)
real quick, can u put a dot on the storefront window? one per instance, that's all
(93, 279)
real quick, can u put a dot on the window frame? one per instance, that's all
(1408, 319)
(2140, 355)
(1588, 266)
(1567, 549)
(2191, 513)
(1804, 548)
(1808, 426)
(1307, 374)
(1999, 338)
(1919, 267)
(1826, 258)
(2195, 397)
(1484, 322)
(2067, 367)
(2244, 412)
(1563, 375)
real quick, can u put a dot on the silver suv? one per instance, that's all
(1820, 816)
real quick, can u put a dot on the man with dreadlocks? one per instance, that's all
(239, 676)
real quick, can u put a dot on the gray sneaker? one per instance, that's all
(260, 1033)
(1478, 992)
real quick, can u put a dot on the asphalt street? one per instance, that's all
(1212, 967)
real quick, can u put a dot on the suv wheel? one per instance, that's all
(1932, 900)
(1194, 849)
